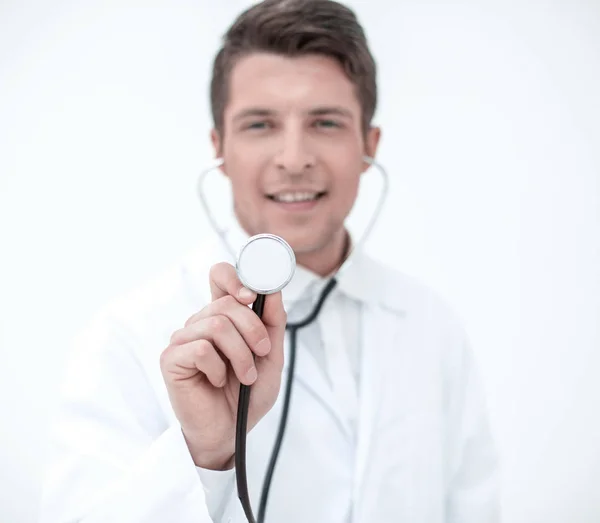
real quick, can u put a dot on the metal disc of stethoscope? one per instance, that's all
(265, 263)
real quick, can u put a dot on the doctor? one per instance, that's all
(387, 421)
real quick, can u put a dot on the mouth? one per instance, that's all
(296, 196)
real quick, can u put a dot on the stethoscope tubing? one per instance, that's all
(257, 307)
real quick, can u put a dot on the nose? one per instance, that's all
(294, 155)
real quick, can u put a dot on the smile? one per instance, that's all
(296, 196)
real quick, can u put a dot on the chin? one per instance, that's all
(300, 243)
(304, 241)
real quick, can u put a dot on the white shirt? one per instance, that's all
(416, 448)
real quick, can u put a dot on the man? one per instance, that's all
(387, 420)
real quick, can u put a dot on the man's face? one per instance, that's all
(292, 146)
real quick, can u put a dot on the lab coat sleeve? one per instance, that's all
(473, 491)
(114, 457)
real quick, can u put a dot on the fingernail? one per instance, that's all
(245, 294)
(251, 375)
(263, 347)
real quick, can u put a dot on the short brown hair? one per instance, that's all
(295, 28)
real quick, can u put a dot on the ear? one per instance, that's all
(372, 143)
(217, 144)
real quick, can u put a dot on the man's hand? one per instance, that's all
(212, 354)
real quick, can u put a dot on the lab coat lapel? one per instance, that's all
(370, 387)
(381, 327)
(309, 376)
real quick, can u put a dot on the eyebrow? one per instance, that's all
(317, 111)
(253, 112)
(331, 110)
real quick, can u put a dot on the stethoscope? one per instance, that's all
(265, 264)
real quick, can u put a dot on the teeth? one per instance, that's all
(290, 197)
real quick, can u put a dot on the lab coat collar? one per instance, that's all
(354, 280)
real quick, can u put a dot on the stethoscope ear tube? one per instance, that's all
(258, 307)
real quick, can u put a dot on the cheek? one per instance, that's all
(350, 192)
(348, 177)
(344, 195)
(243, 166)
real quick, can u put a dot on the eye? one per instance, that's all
(327, 124)
(257, 126)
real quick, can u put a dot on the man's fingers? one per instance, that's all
(274, 314)
(185, 361)
(222, 333)
(234, 328)
(248, 324)
(224, 281)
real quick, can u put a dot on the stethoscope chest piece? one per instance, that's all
(265, 264)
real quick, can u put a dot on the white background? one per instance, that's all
(490, 115)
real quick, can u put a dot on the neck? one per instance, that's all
(328, 259)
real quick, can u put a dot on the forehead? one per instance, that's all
(288, 83)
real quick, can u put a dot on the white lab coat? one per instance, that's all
(422, 451)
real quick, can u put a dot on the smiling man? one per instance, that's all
(387, 420)
(293, 134)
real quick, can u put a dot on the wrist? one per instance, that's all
(210, 460)
(218, 463)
